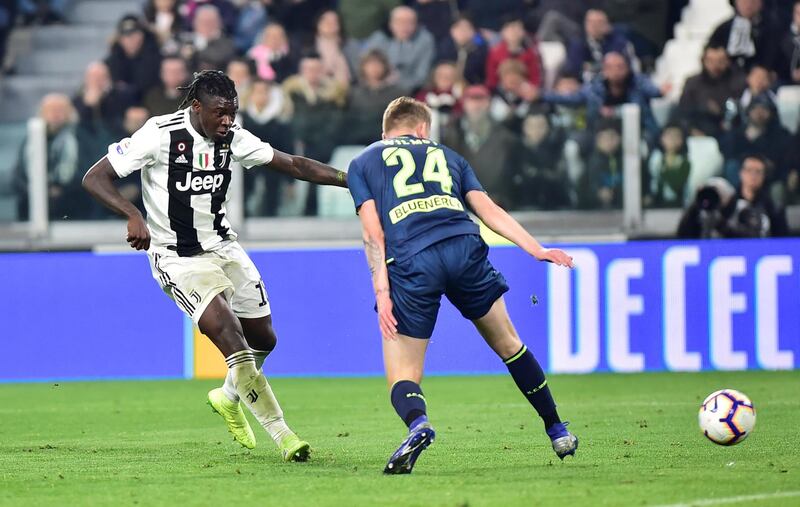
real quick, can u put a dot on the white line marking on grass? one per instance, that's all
(735, 499)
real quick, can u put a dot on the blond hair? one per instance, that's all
(405, 112)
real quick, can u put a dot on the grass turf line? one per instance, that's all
(157, 443)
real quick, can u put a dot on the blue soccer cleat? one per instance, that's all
(564, 442)
(403, 459)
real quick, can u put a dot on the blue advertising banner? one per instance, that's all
(83, 315)
(627, 307)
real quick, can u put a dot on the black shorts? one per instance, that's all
(457, 267)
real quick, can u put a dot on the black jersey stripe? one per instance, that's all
(178, 116)
(181, 214)
(170, 124)
(222, 162)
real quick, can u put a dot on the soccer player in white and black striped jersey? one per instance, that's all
(185, 158)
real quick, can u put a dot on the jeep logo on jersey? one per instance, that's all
(201, 182)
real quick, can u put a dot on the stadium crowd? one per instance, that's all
(316, 74)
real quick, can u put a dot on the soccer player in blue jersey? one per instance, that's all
(411, 194)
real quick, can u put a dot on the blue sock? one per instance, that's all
(409, 402)
(529, 377)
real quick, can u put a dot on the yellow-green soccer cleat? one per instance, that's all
(294, 449)
(233, 416)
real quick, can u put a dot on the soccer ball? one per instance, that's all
(726, 417)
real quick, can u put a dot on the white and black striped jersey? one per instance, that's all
(185, 179)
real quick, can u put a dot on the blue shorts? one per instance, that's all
(457, 267)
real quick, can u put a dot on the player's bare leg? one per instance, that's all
(499, 333)
(219, 323)
(403, 359)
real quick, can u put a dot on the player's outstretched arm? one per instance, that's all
(375, 248)
(99, 181)
(307, 169)
(504, 224)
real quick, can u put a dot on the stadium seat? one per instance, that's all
(573, 159)
(662, 110)
(681, 56)
(701, 17)
(706, 161)
(335, 201)
(680, 60)
(553, 56)
(789, 106)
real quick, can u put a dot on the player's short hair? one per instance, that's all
(405, 112)
(208, 83)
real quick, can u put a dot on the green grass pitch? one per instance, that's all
(157, 443)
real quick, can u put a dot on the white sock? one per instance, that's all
(229, 389)
(255, 392)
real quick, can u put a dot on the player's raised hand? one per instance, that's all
(386, 320)
(138, 235)
(556, 256)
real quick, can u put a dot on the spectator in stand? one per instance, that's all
(615, 86)
(557, 20)
(585, 54)
(253, 17)
(759, 83)
(369, 97)
(276, 59)
(704, 215)
(749, 37)
(361, 18)
(165, 21)
(600, 185)
(165, 98)
(208, 47)
(227, 11)
(490, 14)
(702, 104)
(241, 71)
(467, 48)
(298, 16)
(792, 182)
(514, 46)
(442, 94)
(130, 186)
(435, 15)
(644, 23)
(787, 61)
(752, 213)
(266, 116)
(101, 104)
(488, 147)
(514, 95)
(761, 132)
(541, 181)
(339, 54)
(8, 16)
(41, 12)
(135, 57)
(409, 47)
(570, 119)
(64, 194)
(668, 171)
(318, 103)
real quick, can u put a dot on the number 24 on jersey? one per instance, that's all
(435, 170)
